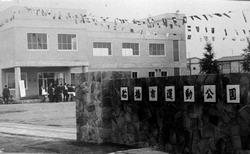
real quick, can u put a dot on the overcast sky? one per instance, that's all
(137, 9)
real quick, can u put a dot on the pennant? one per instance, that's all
(245, 19)
(184, 20)
(226, 15)
(213, 38)
(197, 17)
(205, 17)
(174, 20)
(237, 33)
(165, 22)
(197, 28)
(225, 30)
(205, 38)
(244, 31)
(218, 14)
(212, 30)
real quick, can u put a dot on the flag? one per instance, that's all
(218, 14)
(174, 20)
(197, 28)
(197, 17)
(184, 20)
(245, 19)
(226, 15)
(165, 22)
(236, 32)
(212, 30)
(244, 31)
(205, 16)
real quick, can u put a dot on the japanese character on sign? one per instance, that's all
(209, 93)
(137, 93)
(233, 93)
(189, 94)
(124, 93)
(153, 93)
(170, 93)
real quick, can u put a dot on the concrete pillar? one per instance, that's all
(1, 81)
(85, 69)
(17, 79)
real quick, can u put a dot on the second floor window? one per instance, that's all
(151, 74)
(156, 49)
(102, 49)
(130, 49)
(37, 41)
(67, 42)
(164, 74)
(134, 74)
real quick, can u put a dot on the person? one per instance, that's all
(71, 91)
(44, 94)
(6, 94)
(65, 92)
(51, 91)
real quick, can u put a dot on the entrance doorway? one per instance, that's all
(45, 79)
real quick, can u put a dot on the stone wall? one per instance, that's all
(177, 127)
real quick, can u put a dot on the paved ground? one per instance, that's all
(45, 114)
(48, 128)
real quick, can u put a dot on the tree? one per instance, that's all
(208, 64)
(246, 55)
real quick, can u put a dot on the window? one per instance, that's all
(102, 49)
(130, 49)
(164, 74)
(37, 41)
(176, 50)
(176, 71)
(10, 77)
(67, 42)
(151, 74)
(134, 74)
(156, 49)
(226, 66)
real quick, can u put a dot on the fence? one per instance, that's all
(198, 114)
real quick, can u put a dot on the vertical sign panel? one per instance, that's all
(233, 93)
(188, 94)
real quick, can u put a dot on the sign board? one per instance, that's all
(137, 93)
(22, 88)
(188, 93)
(209, 93)
(124, 93)
(170, 93)
(153, 93)
(233, 93)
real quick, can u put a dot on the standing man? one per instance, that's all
(6, 94)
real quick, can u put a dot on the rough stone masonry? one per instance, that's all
(177, 127)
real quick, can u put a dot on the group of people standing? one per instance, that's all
(59, 93)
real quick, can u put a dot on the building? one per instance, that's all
(42, 46)
(193, 66)
(231, 64)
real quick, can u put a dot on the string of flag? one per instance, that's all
(121, 24)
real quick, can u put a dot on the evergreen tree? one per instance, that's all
(208, 64)
(246, 55)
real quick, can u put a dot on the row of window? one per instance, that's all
(69, 42)
(163, 73)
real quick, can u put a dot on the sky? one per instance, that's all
(137, 9)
